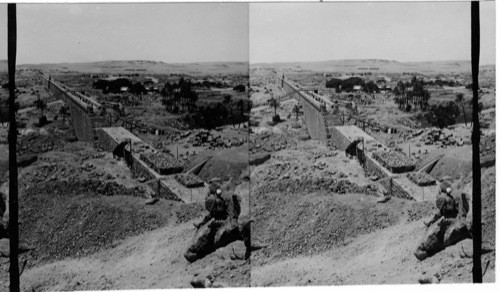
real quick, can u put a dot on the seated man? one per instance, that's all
(447, 207)
(216, 207)
(119, 151)
(351, 149)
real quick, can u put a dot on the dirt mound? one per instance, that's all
(488, 202)
(226, 164)
(271, 142)
(66, 167)
(309, 185)
(76, 218)
(455, 163)
(43, 140)
(310, 224)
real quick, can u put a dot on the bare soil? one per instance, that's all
(317, 233)
(84, 213)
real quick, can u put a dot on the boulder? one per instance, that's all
(5, 247)
(259, 158)
(456, 232)
(384, 199)
(26, 160)
(226, 233)
(304, 137)
(428, 280)
(152, 201)
(201, 283)
(201, 243)
(432, 241)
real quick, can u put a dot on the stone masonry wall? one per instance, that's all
(138, 167)
(105, 141)
(371, 166)
(322, 127)
(80, 118)
(313, 116)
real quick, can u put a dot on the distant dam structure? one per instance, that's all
(325, 122)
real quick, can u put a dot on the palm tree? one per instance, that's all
(273, 102)
(477, 276)
(296, 111)
(399, 94)
(168, 102)
(229, 104)
(459, 98)
(425, 99)
(63, 112)
(40, 105)
(227, 99)
(240, 104)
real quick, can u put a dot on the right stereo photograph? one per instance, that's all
(372, 143)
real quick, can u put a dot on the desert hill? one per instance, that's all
(375, 65)
(144, 67)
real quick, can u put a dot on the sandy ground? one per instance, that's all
(151, 260)
(384, 256)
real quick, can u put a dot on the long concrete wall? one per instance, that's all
(322, 123)
(81, 112)
(314, 113)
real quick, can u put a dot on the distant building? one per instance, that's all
(113, 84)
(150, 83)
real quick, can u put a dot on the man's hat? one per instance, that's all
(444, 186)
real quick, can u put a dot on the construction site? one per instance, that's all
(238, 145)
(341, 196)
(109, 203)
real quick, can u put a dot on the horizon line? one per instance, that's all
(366, 59)
(248, 62)
(131, 60)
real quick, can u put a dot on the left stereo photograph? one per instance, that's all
(131, 146)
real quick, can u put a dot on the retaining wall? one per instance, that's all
(372, 167)
(163, 187)
(321, 125)
(159, 187)
(81, 118)
(105, 141)
(401, 186)
(313, 113)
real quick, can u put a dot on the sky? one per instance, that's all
(173, 33)
(259, 32)
(406, 32)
